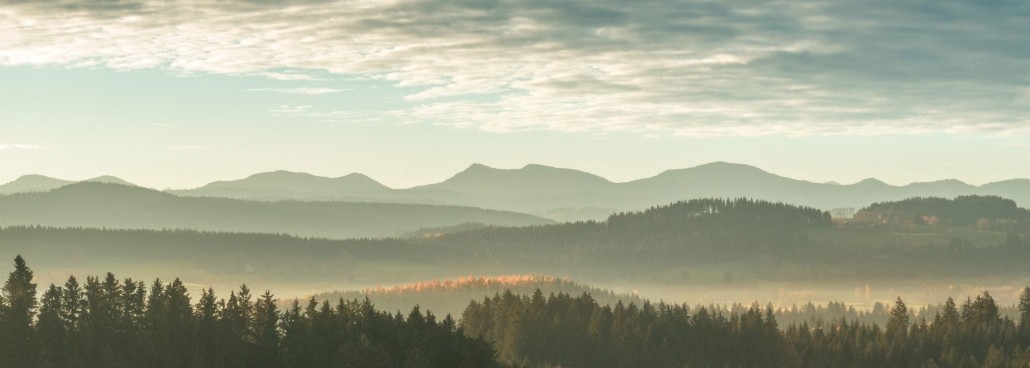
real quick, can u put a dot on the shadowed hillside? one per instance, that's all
(118, 206)
(697, 242)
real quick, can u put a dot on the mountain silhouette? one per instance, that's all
(567, 195)
(107, 179)
(89, 204)
(292, 185)
(40, 183)
(32, 183)
(483, 181)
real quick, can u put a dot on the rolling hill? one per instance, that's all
(707, 241)
(40, 183)
(451, 296)
(119, 206)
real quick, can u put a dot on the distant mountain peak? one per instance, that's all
(478, 167)
(725, 164)
(35, 177)
(110, 190)
(531, 180)
(280, 174)
(950, 181)
(283, 184)
(716, 168)
(108, 179)
(361, 179)
(32, 183)
(872, 182)
(357, 176)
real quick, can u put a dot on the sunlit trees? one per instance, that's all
(1024, 311)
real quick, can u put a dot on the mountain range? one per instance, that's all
(40, 183)
(109, 205)
(567, 194)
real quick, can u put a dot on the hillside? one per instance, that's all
(118, 206)
(700, 242)
(700, 231)
(983, 212)
(451, 296)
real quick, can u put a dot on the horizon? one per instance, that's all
(806, 90)
(213, 180)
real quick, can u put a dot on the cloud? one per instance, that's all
(299, 91)
(291, 110)
(334, 116)
(683, 67)
(20, 146)
(288, 76)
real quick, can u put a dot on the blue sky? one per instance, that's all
(176, 94)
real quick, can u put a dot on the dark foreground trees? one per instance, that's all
(106, 322)
(566, 331)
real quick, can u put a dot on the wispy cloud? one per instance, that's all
(335, 116)
(685, 67)
(290, 110)
(287, 76)
(20, 146)
(299, 91)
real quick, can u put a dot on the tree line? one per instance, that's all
(122, 323)
(106, 322)
(561, 330)
(984, 212)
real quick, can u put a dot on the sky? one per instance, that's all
(175, 94)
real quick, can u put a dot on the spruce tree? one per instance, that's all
(16, 316)
(266, 331)
(50, 328)
(1025, 308)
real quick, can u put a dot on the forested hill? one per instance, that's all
(686, 232)
(715, 212)
(702, 240)
(986, 212)
(119, 206)
(451, 296)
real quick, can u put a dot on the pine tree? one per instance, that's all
(1024, 310)
(266, 331)
(179, 323)
(50, 328)
(950, 314)
(897, 323)
(206, 332)
(16, 316)
(73, 310)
